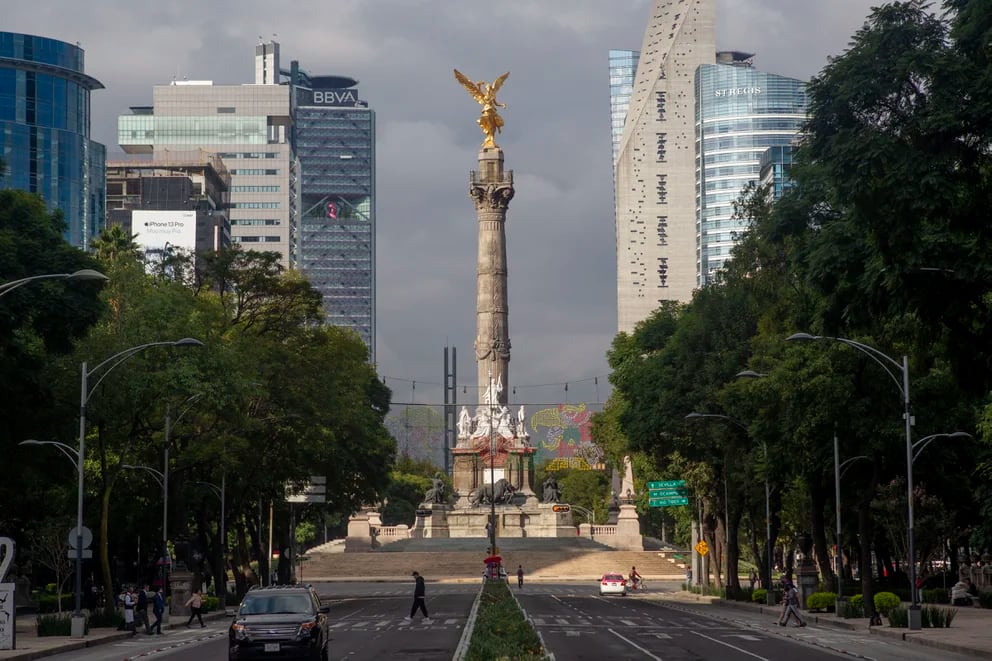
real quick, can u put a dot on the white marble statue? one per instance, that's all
(503, 427)
(464, 423)
(482, 421)
(521, 422)
(627, 485)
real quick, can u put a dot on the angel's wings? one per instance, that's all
(498, 83)
(472, 88)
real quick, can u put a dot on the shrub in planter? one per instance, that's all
(854, 607)
(100, 619)
(898, 616)
(886, 601)
(819, 601)
(759, 595)
(936, 596)
(56, 625)
(210, 603)
(936, 618)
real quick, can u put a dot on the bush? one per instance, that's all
(49, 603)
(501, 632)
(936, 596)
(854, 607)
(100, 619)
(821, 601)
(56, 625)
(937, 618)
(886, 601)
(985, 598)
(898, 616)
(739, 594)
(759, 595)
(210, 603)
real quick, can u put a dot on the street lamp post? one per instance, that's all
(892, 367)
(166, 556)
(82, 274)
(492, 467)
(219, 491)
(78, 627)
(839, 467)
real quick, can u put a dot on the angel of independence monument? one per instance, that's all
(493, 461)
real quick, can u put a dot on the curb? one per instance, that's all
(904, 635)
(466, 638)
(548, 656)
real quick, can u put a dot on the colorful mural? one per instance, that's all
(563, 434)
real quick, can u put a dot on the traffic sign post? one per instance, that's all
(667, 493)
(673, 501)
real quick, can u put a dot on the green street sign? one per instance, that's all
(666, 484)
(665, 493)
(668, 502)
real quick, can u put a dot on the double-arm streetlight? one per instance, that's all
(82, 274)
(895, 370)
(770, 595)
(85, 392)
(166, 556)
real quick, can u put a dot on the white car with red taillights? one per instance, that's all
(613, 584)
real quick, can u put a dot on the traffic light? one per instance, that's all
(561, 508)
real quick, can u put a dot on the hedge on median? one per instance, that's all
(501, 632)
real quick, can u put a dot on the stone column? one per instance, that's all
(491, 188)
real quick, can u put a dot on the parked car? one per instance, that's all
(613, 584)
(279, 622)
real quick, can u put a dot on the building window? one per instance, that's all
(246, 239)
(660, 104)
(254, 189)
(272, 239)
(662, 271)
(256, 221)
(253, 171)
(662, 188)
(226, 110)
(254, 205)
(662, 142)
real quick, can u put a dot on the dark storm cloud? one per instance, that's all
(560, 229)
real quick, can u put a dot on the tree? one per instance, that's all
(49, 544)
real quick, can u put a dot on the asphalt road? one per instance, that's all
(574, 621)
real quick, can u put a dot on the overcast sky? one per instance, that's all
(560, 229)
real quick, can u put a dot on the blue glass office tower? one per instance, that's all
(334, 135)
(740, 113)
(45, 130)
(623, 69)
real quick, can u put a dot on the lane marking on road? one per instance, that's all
(733, 647)
(628, 623)
(636, 646)
(662, 636)
(169, 648)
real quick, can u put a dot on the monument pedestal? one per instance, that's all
(180, 587)
(629, 529)
(433, 520)
(359, 538)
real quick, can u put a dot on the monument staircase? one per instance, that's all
(543, 559)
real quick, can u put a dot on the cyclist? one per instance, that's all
(635, 578)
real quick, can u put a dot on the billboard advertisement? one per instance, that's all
(154, 231)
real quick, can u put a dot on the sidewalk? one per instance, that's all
(30, 646)
(970, 633)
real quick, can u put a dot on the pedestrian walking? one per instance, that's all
(141, 610)
(195, 603)
(419, 592)
(753, 578)
(790, 605)
(129, 611)
(158, 608)
(520, 576)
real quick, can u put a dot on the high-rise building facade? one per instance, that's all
(175, 206)
(335, 144)
(740, 113)
(655, 182)
(775, 170)
(250, 128)
(623, 68)
(45, 130)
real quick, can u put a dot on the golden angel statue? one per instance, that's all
(489, 121)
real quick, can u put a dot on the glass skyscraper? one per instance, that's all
(623, 68)
(334, 134)
(45, 130)
(740, 113)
